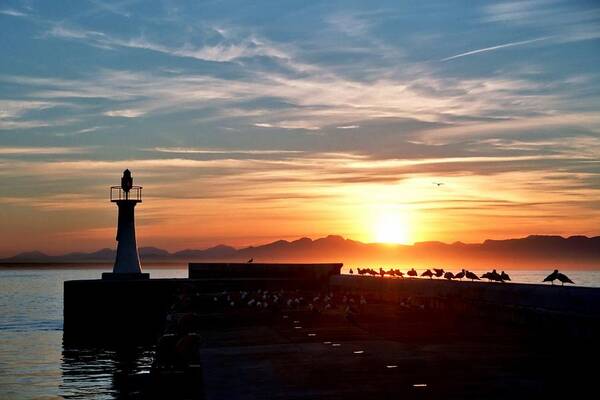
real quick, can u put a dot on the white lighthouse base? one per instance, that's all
(127, 262)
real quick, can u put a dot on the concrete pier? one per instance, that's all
(108, 310)
(367, 337)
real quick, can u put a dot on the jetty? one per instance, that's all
(319, 334)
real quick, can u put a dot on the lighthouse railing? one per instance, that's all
(134, 194)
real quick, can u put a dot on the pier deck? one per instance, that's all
(348, 337)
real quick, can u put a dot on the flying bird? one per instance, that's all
(438, 184)
(250, 260)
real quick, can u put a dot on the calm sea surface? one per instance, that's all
(33, 363)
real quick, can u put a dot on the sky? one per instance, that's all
(252, 121)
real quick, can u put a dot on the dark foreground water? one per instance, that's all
(33, 363)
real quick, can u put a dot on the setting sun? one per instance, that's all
(392, 228)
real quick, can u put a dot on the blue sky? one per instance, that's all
(287, 108)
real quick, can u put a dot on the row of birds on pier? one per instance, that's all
(435, 272)
(439, 273)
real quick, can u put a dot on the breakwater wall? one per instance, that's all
(115, 311)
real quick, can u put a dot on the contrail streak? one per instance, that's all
(500, 46)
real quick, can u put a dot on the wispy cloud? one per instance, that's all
(195, 150)
(497, 47)
(565, 21)
(15, 114)
(591, 121)
(221, 52)
(125, 113)
(12, 12)
(41, 150)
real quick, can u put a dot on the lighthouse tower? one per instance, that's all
(127, 262)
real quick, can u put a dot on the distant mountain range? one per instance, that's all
(530, 252)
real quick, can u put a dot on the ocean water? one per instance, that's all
(34, 364)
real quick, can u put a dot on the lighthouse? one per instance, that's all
(127, 262)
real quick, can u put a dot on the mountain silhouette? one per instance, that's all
(535, 251)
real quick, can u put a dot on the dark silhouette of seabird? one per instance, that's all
(504, 276)
(250, 260)
(438, 184)
(428, 273)
(412, 272)
(471, 276)
(492, 276)
(438, 272)
(552, 277)
(460, 275)
(351, 272)
(563, 278)
(449, 275)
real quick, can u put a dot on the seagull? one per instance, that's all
(438, 184)
(351, 272)
(552, 277)
(504, 276)
(427, 273)
(471, 276)
(492, 276)
(412, 272)
(449, 275)
(250, 260)
(487, 275)
(439, 272)
(460, 275)
(563, 278)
